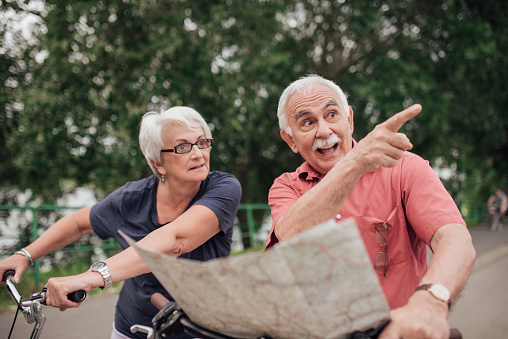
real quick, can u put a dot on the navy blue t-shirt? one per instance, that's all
(132, 208)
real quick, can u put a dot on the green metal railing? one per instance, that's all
(252, 225)
(111, 244)
(473, 214)
(34, 230)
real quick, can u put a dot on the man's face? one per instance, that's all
(316, 119)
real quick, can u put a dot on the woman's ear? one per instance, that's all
(159, 167)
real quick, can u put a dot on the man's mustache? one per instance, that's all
(326, 143)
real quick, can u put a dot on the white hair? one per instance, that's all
(304, 85)
(154, 124)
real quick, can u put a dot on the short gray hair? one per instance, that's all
(303, 85)
(154, 124)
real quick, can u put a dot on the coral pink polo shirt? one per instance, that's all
(409, 197)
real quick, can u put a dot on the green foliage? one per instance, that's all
(74, 95)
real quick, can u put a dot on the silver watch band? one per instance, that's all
(107, 280)
(102, 268)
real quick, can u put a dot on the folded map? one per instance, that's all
(318, 284)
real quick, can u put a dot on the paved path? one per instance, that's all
(481, 312)
(93, 319)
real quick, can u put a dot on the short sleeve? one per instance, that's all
(222, 195)
(281, 197)
(428, 204)
(104, 214)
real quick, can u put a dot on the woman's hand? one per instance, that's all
(15, 262)
(59, 288)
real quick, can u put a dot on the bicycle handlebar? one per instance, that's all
(159, 301)
(455, 334)
(77, 296)
(374, 333)
(31, 307)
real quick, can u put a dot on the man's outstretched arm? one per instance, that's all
(424, 316)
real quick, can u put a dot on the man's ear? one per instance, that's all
(350, 119)
(289, 140)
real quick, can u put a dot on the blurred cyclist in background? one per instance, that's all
(497, 205)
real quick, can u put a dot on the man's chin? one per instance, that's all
(324, 167)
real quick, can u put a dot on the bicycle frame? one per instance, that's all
(31, 308)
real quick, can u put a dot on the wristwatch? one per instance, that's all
(438, 291)
(102, 268)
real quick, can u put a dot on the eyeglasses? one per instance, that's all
(187, 147)
(382, 240)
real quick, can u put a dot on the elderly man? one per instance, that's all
(399, 204)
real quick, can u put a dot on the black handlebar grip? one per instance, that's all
(374, 333)
(455, 334)
(77, 296)
(7, 274)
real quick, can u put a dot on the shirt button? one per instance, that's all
(339, 216)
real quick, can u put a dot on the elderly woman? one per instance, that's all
(183, 210)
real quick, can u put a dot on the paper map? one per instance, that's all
(318, 284)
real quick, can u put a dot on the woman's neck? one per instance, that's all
(173, 199)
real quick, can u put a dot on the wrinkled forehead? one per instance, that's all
(175, 130)
(177, 127)
(312, 97)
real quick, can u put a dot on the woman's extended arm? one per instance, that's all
(62, 233)
(184, 234)
(189, 231)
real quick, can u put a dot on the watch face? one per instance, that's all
(440, 291)
(97, 265)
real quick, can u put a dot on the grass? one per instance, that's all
(249, 250)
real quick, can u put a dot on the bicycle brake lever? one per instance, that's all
(39, 297)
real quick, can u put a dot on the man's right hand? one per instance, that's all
(384, 145)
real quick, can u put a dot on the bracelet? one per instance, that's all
(27, 255)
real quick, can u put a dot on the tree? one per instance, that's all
(75, 94)
(14, 67)
(450, 56)
(102, 65)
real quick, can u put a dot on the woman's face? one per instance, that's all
(187, 167)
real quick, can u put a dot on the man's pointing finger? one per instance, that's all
(395, 122)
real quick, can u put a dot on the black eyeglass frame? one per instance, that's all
(175, 149)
